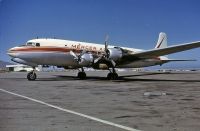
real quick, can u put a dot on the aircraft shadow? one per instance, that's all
(129, 78)
(124, 78)
(147, 79)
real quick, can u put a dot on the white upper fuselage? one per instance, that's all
(74, 44)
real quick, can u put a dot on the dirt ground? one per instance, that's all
(148, 101)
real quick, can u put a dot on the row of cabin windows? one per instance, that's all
(33, 44)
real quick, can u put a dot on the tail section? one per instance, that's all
(162, 41)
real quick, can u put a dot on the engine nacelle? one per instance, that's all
(115, 53)
(86, 59)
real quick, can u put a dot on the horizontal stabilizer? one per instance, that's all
(173, 60)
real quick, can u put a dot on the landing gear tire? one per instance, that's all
(112, 76)
(82, 75)
(31, 76)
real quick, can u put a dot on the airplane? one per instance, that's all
(78, 55)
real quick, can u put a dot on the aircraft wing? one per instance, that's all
(162, 51)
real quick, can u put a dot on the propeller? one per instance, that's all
(106, 53)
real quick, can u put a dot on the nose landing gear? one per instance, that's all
(31, 76)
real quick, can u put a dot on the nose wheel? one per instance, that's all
(31, 76)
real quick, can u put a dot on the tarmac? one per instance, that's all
(58, 101)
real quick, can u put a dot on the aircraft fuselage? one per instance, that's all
(57, 52)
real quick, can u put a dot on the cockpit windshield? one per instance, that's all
(30, 44)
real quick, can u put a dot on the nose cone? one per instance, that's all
(11, 52)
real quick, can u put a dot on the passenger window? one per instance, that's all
(37, 44)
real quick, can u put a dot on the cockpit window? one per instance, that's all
(30, 44)
(37, 44)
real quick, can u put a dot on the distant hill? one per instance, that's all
(3, 64)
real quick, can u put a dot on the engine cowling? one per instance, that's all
(115, 53)
(86, 59)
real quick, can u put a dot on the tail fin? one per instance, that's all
(162, 41)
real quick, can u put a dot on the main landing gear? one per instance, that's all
(112, 75)
(82, 74)
(31, 76)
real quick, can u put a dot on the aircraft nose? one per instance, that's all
(11, 52)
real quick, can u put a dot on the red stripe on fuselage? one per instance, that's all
(48, 49)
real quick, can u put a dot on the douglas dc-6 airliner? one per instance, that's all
(77, 55)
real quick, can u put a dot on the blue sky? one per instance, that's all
(132, 23)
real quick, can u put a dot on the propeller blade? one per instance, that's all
(113, 63)
(106, 42)
(96, 60)
(73, 54)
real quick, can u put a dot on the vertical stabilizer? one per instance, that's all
(162, 41)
